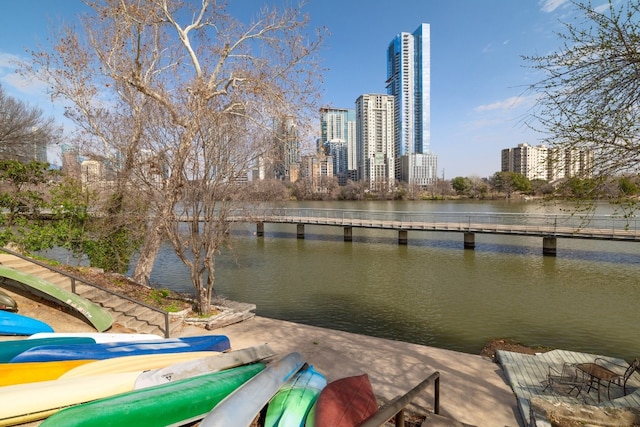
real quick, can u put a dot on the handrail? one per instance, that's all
(75, 278)
(395, 408)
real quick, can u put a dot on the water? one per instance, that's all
(432, 291)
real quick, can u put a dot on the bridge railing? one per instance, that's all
(547, 222)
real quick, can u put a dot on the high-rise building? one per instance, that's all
(338, 139)
(549, 164)
(409, 82)
(375, 138)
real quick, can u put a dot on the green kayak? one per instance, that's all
(171, 404)
(95, 314)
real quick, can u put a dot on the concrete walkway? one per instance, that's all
(473, 389)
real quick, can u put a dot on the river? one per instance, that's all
(432, 291)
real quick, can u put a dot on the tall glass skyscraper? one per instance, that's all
(409, 81)
(338, 138)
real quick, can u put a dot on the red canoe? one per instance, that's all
(346, 402)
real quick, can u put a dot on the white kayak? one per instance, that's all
(99, 337)
(240, 408)
(205, 365)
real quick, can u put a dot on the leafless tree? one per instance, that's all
(24, 131)
(184, 89)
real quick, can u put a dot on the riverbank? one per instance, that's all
(473, 389)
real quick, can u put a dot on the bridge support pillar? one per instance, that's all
(402, 237)
(348, 234)
(300, 233)
(260, 229)
(549, 246)
(469, 240)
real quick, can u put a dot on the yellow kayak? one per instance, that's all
(29, 372)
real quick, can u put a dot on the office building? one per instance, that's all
(338, 139)
(409, 82)
(375, 136)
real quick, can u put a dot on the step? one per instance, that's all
(433, 420)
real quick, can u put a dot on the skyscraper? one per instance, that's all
(338, 138)
(409, 82)
(375, 140)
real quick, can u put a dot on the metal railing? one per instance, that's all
(618, 227)
(395, 408)
(73, 278)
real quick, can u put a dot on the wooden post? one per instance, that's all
(348, 234)
(549, 246)
(300, 234)
(402, 237)
(260, 229)
(469, 240)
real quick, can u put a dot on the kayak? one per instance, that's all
(31, 372)
(10, 349)
(35, 401)
(99, 317)
(17, 324)
(172, 404)
(140, 362)
(7, 303)
(292, 403)
(205, 365)
(346, 402)
(99, 351)
(99, 337)
(240, 408)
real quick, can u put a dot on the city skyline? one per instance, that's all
(478, 78)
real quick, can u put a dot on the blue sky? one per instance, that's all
(478, 79)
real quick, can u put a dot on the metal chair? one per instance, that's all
(567, 377)
(621, 380)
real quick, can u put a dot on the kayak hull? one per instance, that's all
(240, 408)
(100, 351)
(31, 372)
(10, 349)
(345, 402)
(17, 324)
(171, 404)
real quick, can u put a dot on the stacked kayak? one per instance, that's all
(99, 351)
(10, 349)
(171, 404)
(17, 324)
(292, 403)
(7, 303)
(240, 408)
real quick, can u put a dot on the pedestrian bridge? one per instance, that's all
(548, 226)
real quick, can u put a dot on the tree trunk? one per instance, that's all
(149, 252)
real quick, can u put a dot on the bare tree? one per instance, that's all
(589, 98)
(24, 131)
(186, 88)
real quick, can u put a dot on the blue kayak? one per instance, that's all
(17, 324)
(12, 348)
(100, 351)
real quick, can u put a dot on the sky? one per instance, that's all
(479, 80)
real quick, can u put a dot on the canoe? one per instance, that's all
(17, 324)
(100, 318)
(35, 401)
(7, 303)
(346, 402)
(99, 351)
(293, 401)
(173, 404)
(10, 349)
(206, 365)
(99, 337)
(240, 408)
(30, 372)
(141, 362)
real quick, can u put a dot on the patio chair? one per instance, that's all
(621, 380)
(568, 377)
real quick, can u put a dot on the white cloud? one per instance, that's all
(551, 5)
(505, 104)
